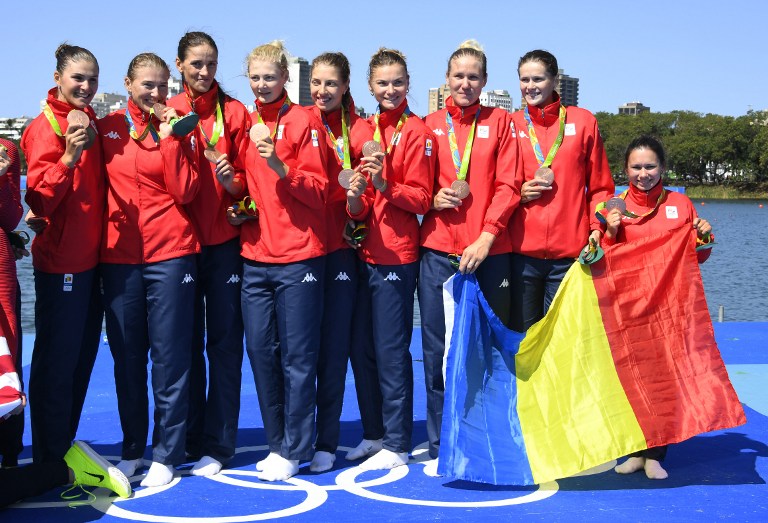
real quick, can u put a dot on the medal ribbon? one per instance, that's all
(342, 151)
(52, 119)
(535, 141)
(286, 104)
(148, 129)
(461, 164)
(218, 128)
(377, 135)
(601, 211)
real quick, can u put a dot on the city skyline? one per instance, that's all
(658, 53)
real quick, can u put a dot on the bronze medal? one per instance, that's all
(616, 203)
(211, 154)
(78, 117)
(345, 177)
(158, 109)
(259, 132)
(545, 174)
(370, 147)
(462, 189)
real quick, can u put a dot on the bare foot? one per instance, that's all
(654, 470)
(631, 465)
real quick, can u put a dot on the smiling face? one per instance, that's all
(389, 84)
(536, 84)
(267, 80)
(148, 86)
(465, 80)
(199, 68)
(644, 169)
(327, 88)
(77, 83)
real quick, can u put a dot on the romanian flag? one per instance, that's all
(624, 360)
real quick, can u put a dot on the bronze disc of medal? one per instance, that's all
(158, 109)
(345, 177)
(545, 174)
(78, 117)
(211, 154)
(91, 137)
(259, 132)
(462, 189)
(616, 203)
(370, 147)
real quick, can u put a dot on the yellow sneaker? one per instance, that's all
(93, 470)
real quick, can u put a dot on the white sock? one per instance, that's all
(365, 448)
(279, 469)
(385, 460)
(158, 475)
(207, 466)
(322, 461)
(261, 464)
(130, 466)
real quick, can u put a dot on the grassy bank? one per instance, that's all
(721, 192)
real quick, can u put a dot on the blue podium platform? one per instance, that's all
(715, 476)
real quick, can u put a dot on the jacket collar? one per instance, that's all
(461, 112)
(269, 111)
(548, 114)
(61, 108)
(645, 199)
(139, 117)
(390, 118)
(205, 104)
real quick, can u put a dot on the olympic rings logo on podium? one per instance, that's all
(316, 495)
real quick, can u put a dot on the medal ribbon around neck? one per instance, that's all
(461, 164)
(377, 134)
(150, 128)
(342, 151)
(218, 128)
(286, 104)
(52, 119)
(535, 141)
(601, 211)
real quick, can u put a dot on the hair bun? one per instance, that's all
(471, 44)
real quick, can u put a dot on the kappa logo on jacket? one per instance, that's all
(187, 278)
(392, 276)
(234, 279)
(113, 134)
(438, 132)
(504, 283)
(342, 276)
(522, 134)
(309, 278)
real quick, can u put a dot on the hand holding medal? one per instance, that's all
(79, 119)
(178, 126)
(372, 163)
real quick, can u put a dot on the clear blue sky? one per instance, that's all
(703, 56)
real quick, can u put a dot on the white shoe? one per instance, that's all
(385, 460)
(279, 469)
(263, 463)
(130, 466)
(158, 475)
(322, 461)
(207, 466)
(365, 448)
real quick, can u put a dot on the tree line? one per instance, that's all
(702, 149)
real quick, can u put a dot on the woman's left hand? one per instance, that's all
(224, 170)
(476, 253)
(702, 226)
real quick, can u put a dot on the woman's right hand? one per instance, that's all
(613, 222)
(532, 189)
(445, 198)
(235, 219)
(35, 223)
(76, 137)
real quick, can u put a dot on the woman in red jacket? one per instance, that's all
(148, 267)
(345, 135)
(284, 251)
(471, 206)
(566, 175)
(401, 175)
(651, 209)
(65, 186)
(221, 139)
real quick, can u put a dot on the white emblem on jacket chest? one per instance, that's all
(672, 212)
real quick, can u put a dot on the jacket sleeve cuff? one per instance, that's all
(493, 228)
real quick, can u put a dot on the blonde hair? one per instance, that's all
(146, 60)
(469, 48)
(273, 52)
(384, 57)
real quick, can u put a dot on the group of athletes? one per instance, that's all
(191, 224)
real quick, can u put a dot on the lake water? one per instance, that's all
(735, 276)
